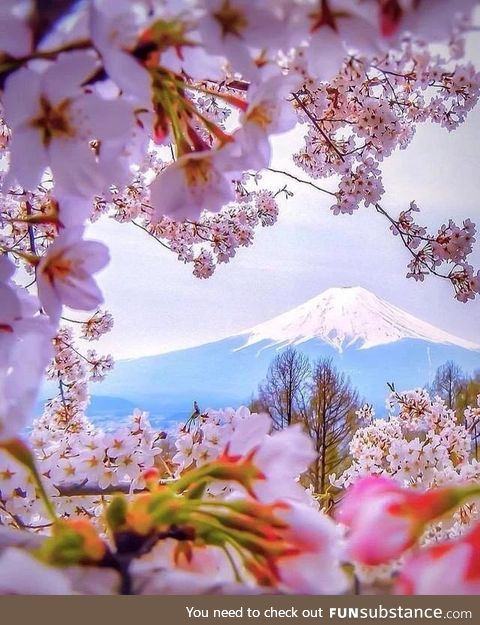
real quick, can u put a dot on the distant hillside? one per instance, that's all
(369, 339)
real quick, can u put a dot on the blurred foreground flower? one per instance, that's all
(385, 520)
(449, 568)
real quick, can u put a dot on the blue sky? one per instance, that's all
(159, 306)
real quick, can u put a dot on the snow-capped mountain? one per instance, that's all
(348, 317)
(367, 338)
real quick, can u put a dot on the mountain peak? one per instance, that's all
(349, 316)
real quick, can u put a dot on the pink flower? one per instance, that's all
(64, 274)
(337, 29)
(54, 120)
(15, 35)
(316, 567)
(238, 28)
(193, 183)
(450, 568)
(384, 519)
(268, 112)
(116, 28)
(25, 348)
(21, 372)
(22, 574)
(281, 457)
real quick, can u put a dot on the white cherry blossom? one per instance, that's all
(64, 273)
(192, 184)
(15, 34)
(54, 120)
(116, 28)
(22, 574)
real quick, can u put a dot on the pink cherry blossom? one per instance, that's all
(15, 34)
(53, 121)
(116, 28)
(192, 184)
(268, 113)
(384, 520)
(64, 273)
(22, 574)
(337, 29)
(449, 568)
(316, 569)
(25, 349)
(239, 28)
(423, 19)
(22, 368)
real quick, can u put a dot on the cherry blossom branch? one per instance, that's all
(403, 237)
(86, 489)
(16, 519)
(318, 127)
(459, 275)
(135, 223)
(301, 180)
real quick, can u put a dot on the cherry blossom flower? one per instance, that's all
(15, 35)
(98, 325)
(238, 28)
(192, 184)
(448, 568)
(22, 574)
(53, 121)
(24, 352)
(424, 20)
(319, 543)
(21, 375)
(384, 520)
(116, 29)
(281, 457)
(337, 29)
(64, 273)
(119, 443)
(184, 456)
(268, 112)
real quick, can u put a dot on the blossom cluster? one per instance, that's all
(449, 247)
(211, 239)
(243, 475)
(370, 108)
(72, 370)
(223, 470)
(386, 521)
(80, 465)
(421, 445)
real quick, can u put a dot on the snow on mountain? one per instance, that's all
(348, 317)
(386, 345)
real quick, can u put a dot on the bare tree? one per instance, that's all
(329, 417)
(281, 394)
(448, 382)
(467, 396)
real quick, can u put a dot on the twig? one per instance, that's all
(318, 127)
(84, 489)
(302, 181)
